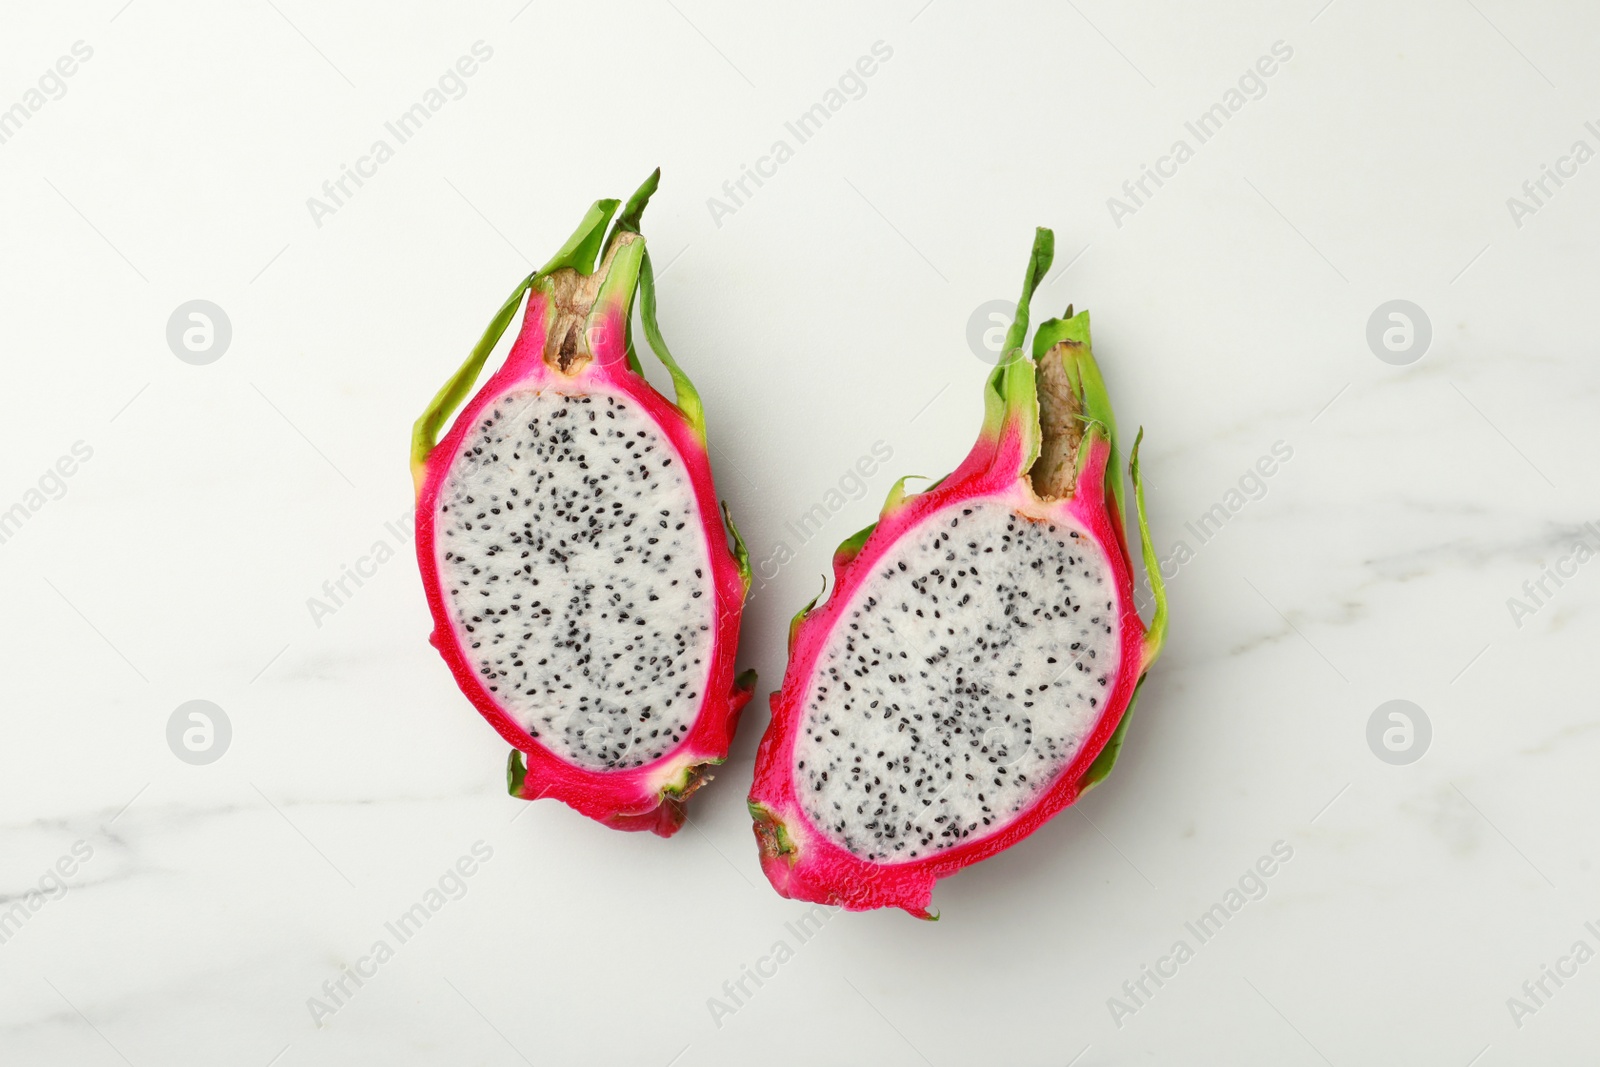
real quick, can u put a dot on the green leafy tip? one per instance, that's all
(628, 221)
(582, 250)
(897, 495)
(516, 773)
(580, 253)
(425, 431)
(1010, 392)
(1156, 636)
(1101, 767)
(741, 554)
(851, 546)
(688, 397)
(800, 616)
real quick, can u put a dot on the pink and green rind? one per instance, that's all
(648, 797)
(802, 863)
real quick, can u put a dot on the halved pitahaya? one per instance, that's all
(582, 586)
(973, 670)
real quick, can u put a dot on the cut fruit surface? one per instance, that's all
(584, 590)
(972, 671)
(994, 637)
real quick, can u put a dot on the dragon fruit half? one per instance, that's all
(582, 586)
(973, 670)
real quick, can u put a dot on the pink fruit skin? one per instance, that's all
(820, 871)
(644, 798)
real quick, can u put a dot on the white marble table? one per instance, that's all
(178, 913)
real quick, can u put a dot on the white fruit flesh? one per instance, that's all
(960, 680)
(573, 558)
